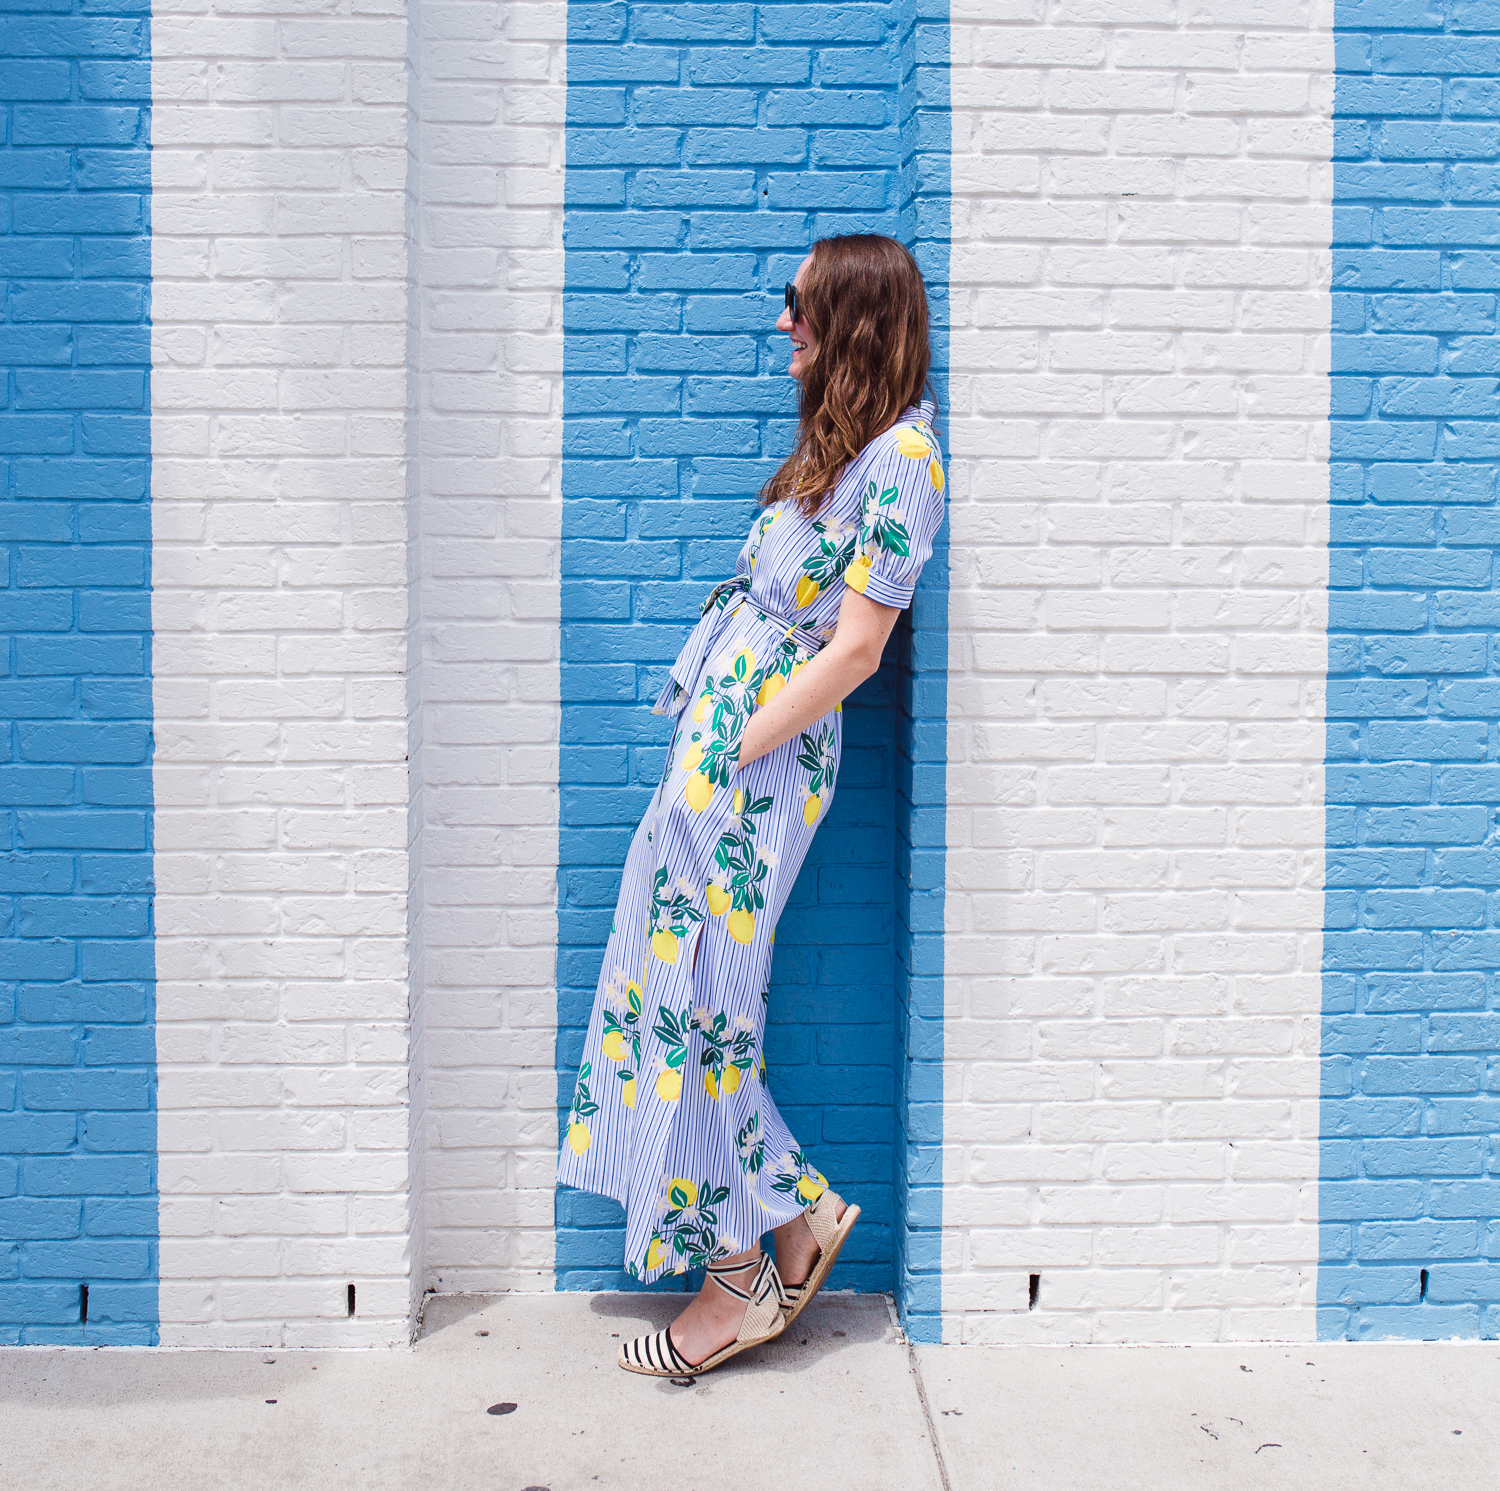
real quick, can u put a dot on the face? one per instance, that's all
(803, 340)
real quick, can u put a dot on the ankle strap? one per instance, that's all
(767, 1280)
(717, 1272)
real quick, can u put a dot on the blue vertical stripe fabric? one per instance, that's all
(77, 1043)
(1409, 1187)
(707, 147)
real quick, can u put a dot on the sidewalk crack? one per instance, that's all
(932, 1428)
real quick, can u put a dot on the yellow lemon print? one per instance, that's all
(857, 576)
(731, 1079)
(739, 802)
(718, 899)
(711, 1084)
(656, 1254)
(700, 709)
(796, 669)
(579, 1137)
(699, 792)
(629, 1094)
(936, 473)
(669, 1086)
(911, 444)
(748, 655)
(742, 926)
(811, 808)
(770, 688)
(664, 945)
(692, 756)
(614, 1045)
(807, 591)
(681, 1193)
(809, 1190)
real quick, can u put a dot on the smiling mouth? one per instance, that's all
(798, 346)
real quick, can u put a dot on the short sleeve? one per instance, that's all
(900, 512)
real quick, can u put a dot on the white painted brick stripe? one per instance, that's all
(1139, 282)
(279, 342)
(491, 83)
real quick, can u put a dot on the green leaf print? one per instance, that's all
(816, 755)
(751, 1146)
(883, 529)
(726, 704)
(743, 871)
(758, 533)
(672, 913)
(622, 1033)
(728, 1051)
(583, 1105)
(827, 564)
(798, 1178)
(690, 1224)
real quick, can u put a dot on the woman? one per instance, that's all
(670, 1114)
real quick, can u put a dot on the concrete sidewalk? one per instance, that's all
(841, 1402)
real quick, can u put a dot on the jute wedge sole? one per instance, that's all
(830, 1232)
(658, 1356)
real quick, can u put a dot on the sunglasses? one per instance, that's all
(792, 303)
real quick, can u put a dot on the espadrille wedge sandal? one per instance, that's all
(830, 1232)
(657, 1356)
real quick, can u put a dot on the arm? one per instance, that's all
(851, 657)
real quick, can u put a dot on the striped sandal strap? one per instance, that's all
(768, 1283)
(763, 1310)
(657, 1353)
(719, 1273)
(763, 1300)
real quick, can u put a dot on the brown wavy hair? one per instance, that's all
(864, 299)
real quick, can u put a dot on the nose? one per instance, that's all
(784, 321)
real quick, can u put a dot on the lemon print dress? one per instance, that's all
(671, 1114)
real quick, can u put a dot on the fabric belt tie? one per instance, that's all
(723, 601)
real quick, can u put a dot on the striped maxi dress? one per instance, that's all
(671, 1115)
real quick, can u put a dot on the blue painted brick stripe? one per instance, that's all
(1408, 1185)
(707, 148)
(921, 816)
(77, 1041)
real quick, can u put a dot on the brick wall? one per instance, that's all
(921, 798)
(1139, 281)
(77, 1090)
(490, 141)
(279, 314)
(707, 148)
(1146, 1061)
(1410, 1111)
